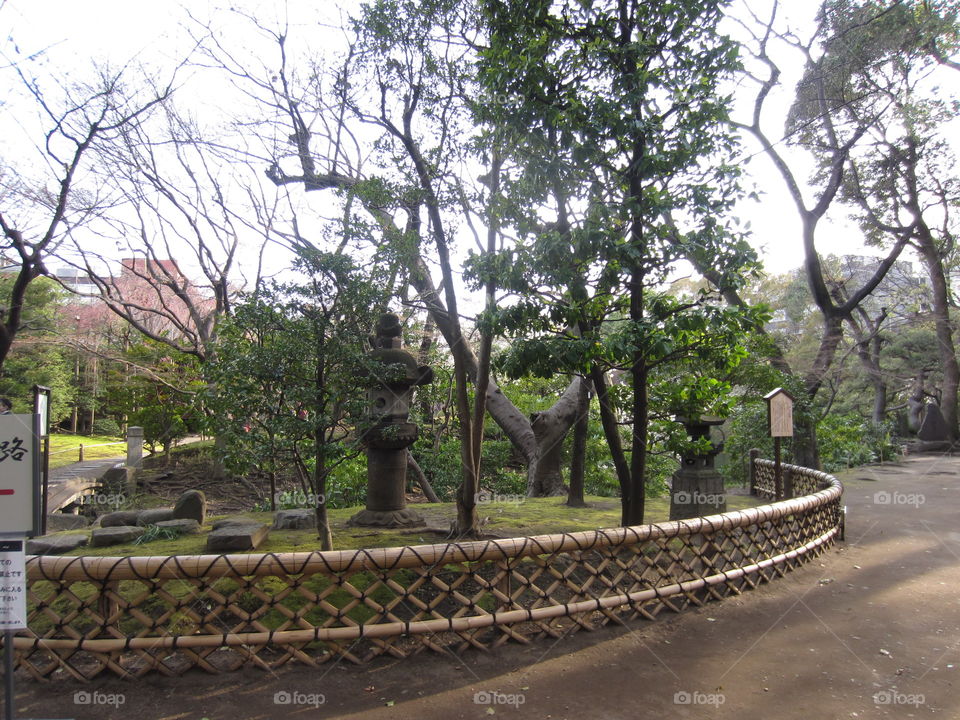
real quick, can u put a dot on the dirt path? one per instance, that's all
(870, 629)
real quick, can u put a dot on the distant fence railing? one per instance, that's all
(79, 449)
(135, 615)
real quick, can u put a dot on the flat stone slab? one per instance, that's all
(229, 521)
(236, 537)
(184, 526)
(65, 521)
(297, 519)
(152, 517)
(55, 544)
(116, 535)
(121, 517)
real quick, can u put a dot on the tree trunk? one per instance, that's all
(944, 331)
(578, 454)
(414, 466)
(611, 430)
(544, 474)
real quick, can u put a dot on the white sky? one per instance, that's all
(72, 32)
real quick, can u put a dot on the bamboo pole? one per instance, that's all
(79, 568)
(393, 629)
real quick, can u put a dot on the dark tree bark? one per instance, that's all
(578, 455)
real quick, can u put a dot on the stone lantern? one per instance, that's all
(697, 487)
(389, 432)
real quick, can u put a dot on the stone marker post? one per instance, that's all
(134, 446)
(389, 433)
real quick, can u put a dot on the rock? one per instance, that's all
(66, 521)
(237, 538)
(55, 544)
(121, 517)
(192, 504)
(934, 427)
(298, 519)
(184, 526)
(152, 517)
(115, 535)
(228, 521)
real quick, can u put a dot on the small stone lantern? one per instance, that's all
(389, 432)
(697, 487)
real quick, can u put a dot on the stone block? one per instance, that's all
(184, 526)
(55, 544)
(237, 538)
(192, 504)
(298, 519)
(115, 535)
(152, 517)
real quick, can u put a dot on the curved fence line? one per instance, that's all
(132, 616)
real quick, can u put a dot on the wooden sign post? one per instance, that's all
(780, 425)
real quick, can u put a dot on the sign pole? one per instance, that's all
(780, 425)
(41, 409)
(777, 469)
(8, 673)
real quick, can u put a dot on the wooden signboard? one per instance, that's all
(779, 413)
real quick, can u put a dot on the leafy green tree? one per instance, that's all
(37, 357)
(287, 377)
(615, 126)
(157, 388)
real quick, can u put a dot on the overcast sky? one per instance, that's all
(73, 32)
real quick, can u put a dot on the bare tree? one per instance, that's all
(37, 214)
(183, 210)
(838, 140)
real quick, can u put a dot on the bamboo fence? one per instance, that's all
(136, 615)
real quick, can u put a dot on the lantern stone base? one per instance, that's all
(696, 492)
(387, 518)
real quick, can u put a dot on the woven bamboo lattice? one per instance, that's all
(133, 616)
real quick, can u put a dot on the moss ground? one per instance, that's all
(531, 516)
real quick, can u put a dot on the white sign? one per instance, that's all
(18, 475)
(42, 411)
(13, 586)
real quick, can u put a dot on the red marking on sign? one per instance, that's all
(6, 491)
